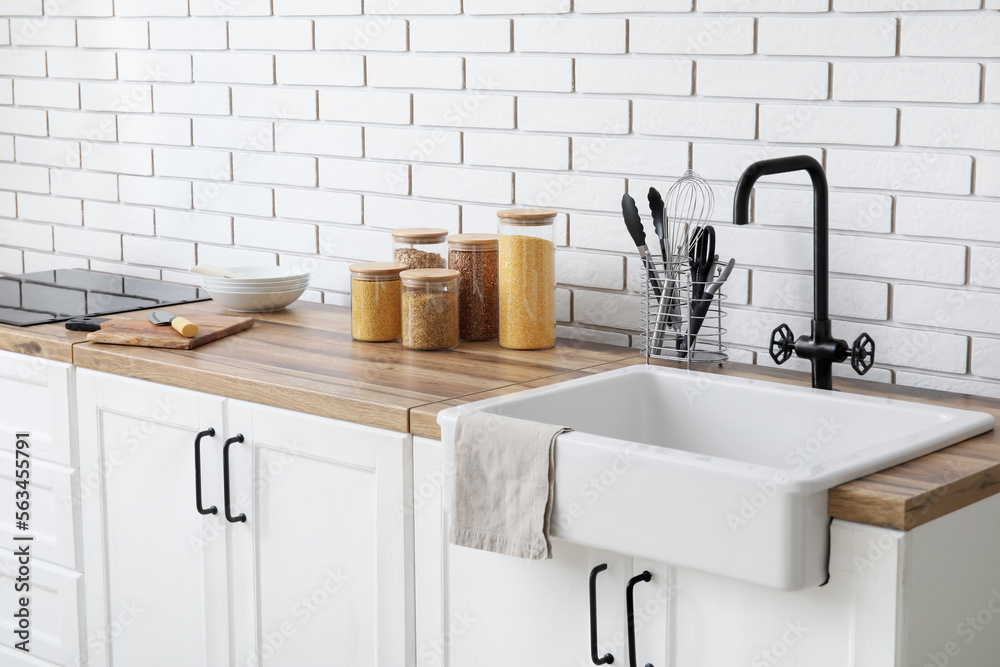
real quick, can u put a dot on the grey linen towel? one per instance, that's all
(504, 478)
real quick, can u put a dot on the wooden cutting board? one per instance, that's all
(144, 333)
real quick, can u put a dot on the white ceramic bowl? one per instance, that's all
(252, 282)
(256, 302)
(257, 288)
(266, 273)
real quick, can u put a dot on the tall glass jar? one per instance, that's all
(476, 258)
(376, 298)
(420, 247)
(527, 278)
(430, 309)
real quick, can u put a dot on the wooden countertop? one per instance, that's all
(303, 359)
(50, 341)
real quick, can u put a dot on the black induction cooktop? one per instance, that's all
(55, 296)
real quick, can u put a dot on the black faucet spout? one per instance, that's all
(820, 347)
(821, 217)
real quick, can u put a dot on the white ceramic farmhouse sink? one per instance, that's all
(716, 473)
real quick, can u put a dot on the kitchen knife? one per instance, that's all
(184, 327)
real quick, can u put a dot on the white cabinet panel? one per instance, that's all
(953, 599)
(489, 610)
(503, 611)
(851, 621)
(145, 545)
(324, 558)
(36, 397)
(52, 493)
(428, 553)
(55, 595)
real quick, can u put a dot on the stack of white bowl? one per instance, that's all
(262, 290)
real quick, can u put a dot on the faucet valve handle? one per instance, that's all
(782, 344)
(863, 354)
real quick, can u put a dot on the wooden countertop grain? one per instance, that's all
(303, 359)
(50, 341)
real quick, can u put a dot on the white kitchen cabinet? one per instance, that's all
(322, 566)
(319, 571)
(147, 552)
(56, 597)
(36, 397)
(475, 607)
(52, 490)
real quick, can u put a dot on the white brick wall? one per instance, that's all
(138, 135)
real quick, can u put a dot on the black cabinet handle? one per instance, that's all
(209, 432)
(225, 478)
(630, 612)
(608, 658)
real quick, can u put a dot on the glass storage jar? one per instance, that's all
(420, 247)
(477, 258)
(376, 298)
(527, 278)
(430, 309)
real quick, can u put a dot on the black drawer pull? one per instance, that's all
(608, 658)
(630, 613)
(210, 433)
(225, 479)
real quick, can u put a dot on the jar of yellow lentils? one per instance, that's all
(527, 278)
(376, 301)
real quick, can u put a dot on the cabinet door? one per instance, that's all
(485, 609)
(502, 611)
(36, 398)
(323, 563)
(155, 568)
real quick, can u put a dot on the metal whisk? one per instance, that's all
(689, 205)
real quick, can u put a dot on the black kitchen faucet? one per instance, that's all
(820, 348)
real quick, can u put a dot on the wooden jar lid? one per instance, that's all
(429, 275)
(420, 234)
(475, 242)
(377, 269)
(526, 216)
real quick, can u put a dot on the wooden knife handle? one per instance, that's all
(184, 327)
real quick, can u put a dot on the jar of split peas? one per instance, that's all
(527, 278)
(376, 301)
(420, 247)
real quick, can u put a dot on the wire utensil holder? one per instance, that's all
(668, 318)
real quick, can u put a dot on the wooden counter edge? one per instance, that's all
(296, 399)
(44, 346)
